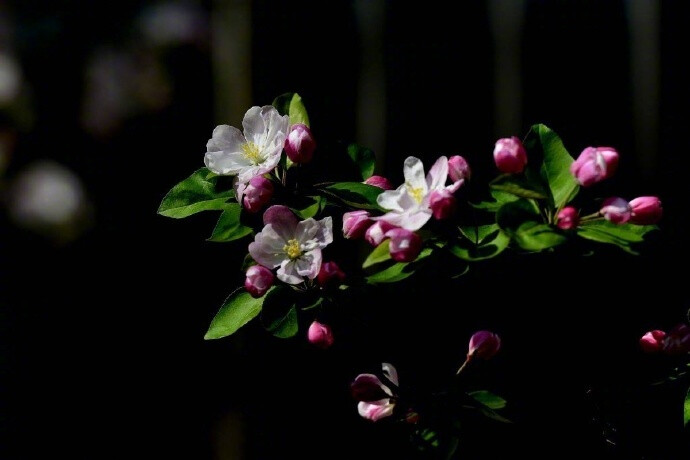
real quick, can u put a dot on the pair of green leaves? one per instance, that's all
(278, 309)
(199, 193)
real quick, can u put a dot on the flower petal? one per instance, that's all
(225, 162)
(283, 221)
(452, 188)
(239, 187)
(390, 372)
(438, 174)
(305, 232)
(225, 137)
(413, 220)
(267, 248)
(368, 388)
(390, 199)
(309, 264)
(376, 410)
(254, 126)
(413, 171)
(287, 272)
(324, 236)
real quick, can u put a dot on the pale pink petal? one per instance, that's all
(452, 188)
(287, 272)
(390, 372)
(227, 138)
(438, 174)
(376, 410)
(413, 170)
(390, 199)
(368, 387)
(305, 232)
(283, 221)
(309, 264)
(225, 162)
(409, 220)
(254, 126)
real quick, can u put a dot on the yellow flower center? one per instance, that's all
(292, 249)
(251, 152)
(417, 193)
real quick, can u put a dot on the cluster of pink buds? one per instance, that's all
(405, 245)
(675, 342)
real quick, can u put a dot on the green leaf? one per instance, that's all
(686, 409)
(291, 104)
(194, 194)
(364, 158)
(380, 254)
(493, 206)
(479, 233)
(623, 236)
(297, 111)
(511, 215)
(228, 227)
(279, 314)
(491, 242)
(399, 271)
(354, 194)
(237, 310)
(555, 168)
(315, 206)
(534, 236)
(488, 399)
(518, 186)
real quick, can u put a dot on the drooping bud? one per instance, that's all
(330, 273)
(594, 165)
(442, 203)
(458, 168)
(652, 341)
(616, 210)
(405, 245)
(355, 223)
(646, 210)
(510, 155)
(300, 144)
(257, 193)
(568, 218)
(380, 182)
(377, 232)
(320, 335)
(258, 280)
(484, 345)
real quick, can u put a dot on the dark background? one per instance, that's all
(101, 325)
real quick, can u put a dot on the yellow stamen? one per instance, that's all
(251, 152)
(292, 249)
(417, 193)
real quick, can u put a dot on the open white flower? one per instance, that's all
(293, 245)
(229, 152)
(409, 205)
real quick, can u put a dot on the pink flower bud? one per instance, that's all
(380, 182)
(677, 342)
(320, 335)
(377, 232)
(442, 203)
(258, 192)
(484, 344)
(329, 273)
(300, 144)
(510, 155)
(355, 223)
(652, 341)
(646, 210)
(594, 165)
(616, 210)
(458, 168)
(405, 245)
(259, 279)
(568, 218)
